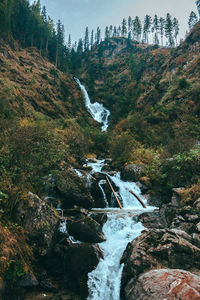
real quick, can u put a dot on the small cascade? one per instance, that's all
(102, 190)
(97, 110)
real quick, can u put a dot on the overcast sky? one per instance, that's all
(77, 14)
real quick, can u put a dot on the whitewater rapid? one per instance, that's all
(97, 110)
(121, 228)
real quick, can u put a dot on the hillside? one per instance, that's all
(49, 235)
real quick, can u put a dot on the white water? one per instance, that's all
(121, 228)
(97, 110)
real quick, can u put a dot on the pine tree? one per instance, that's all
(110, 30)
(60, 42)
(86, 39)
(69, 43)
(137, 29)
(162, 28)
(146, 28)
(193, 19)
(80, 46)
(124, 28)
(155, 28)
(92, 38)
(175, 28)
(169, 30)
(198, 6)
(107, 33)
(130, 24)
(119, 31)
(98, 36)
(115, 31)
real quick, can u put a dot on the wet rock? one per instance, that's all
(97, 195)
(72, 190)
(152, 220)
(40, 222)
(29, 281)
(164, 284)
(154, 199)
(170, 248)
(82, 259)
(168, 213)
(132, 172)
(100, 218)
(87, 230)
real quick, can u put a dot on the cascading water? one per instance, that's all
(121, 228)
(97, 110)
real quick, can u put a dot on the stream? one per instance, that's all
(121, 227)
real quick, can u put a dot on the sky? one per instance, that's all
(77, 14)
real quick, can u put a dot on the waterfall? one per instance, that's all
(97, 110)
(120, 229)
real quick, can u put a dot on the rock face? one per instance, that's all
(158, 248)
(132, 172)
(82, 259)
(40, 222)
(71, 190)
(86, 229)
(164, 284)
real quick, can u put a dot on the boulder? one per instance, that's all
(82, 259)
(87, 230)
(152, 220)
(40, 222)
(164, 284)
(97, 194)
(132, 172)
(157, 248)
(197, 205)
(71, 189)
(100, 218)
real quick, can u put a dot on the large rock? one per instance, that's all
(159, 248)
(72, 191)
(164, 284)
(82, 259)
(40, 222)
(132, 172)
(86, 229)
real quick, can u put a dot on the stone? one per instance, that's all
(72, 191)
(176, 196)
(86, 230)
(197, 205)
(132, 172)
(82, 259)
(159, 248)
(152, 219)
(164, 284)
(198, 227)
(100, 218)
(154, 199)
(40, 222)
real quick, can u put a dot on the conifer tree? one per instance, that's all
(155, 28)
(146, 28)
(110, 30)
(175, 28)
(124, 28)
(107, 33)
(162, 28)
(130, 24)
(198, 6)
(115, 31)
(86, 39)
(80, 46)
(137, 29)
(119, 31)
(69, 43)
(193, 19)
(98, 36)
(92, 38)
(169, 30)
